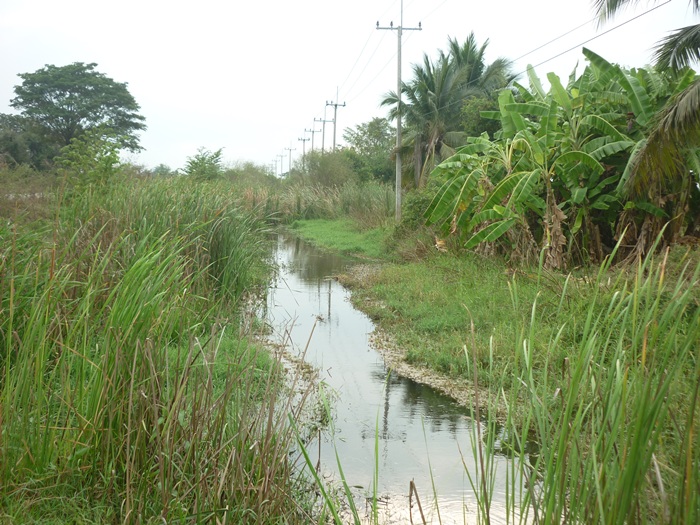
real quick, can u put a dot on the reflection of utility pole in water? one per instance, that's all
(329, 299)
(385, 418)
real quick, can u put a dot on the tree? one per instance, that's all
(21, 143)
(92, 159)
(67, 101)
(205, 165)
(668, 150)
(370, 146)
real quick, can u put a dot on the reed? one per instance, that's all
(601, 429)
(126, 393)
(608, 432)
(368, 204)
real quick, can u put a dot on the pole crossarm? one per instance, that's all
(335, 116)
(323, 134)
(313, 134)
(303, 141)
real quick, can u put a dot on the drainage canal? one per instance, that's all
(419, 430)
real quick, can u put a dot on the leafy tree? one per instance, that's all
(90, 159)
(558, 174)
(67, 101)
(473, 123)
(251, 175)
(370, 147)
(331, 170)
(21, 142)
(163, 170)
(664, 157)
(205, 165)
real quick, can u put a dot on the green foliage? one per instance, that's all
(205, 165)
(473, 123)
(249, 175)
(90, 159)
(432, 101)
(67, 101)
(331, 169)
(163, 170)
(21, 142)
(125, 388)
(370, 146)
(554, 176)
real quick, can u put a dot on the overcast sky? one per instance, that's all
(250, 77)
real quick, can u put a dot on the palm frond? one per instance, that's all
(679, 49)
(661, 159)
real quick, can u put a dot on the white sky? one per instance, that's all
(251, 76)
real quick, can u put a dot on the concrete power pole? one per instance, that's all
(313, 133)
(303, 150)
(290, 149)
(400, 29)
(281, 157)
(323, 133)
(335, 116)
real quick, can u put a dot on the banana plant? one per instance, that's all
(664, 124)
(547, 163)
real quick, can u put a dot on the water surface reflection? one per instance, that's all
(419, 428)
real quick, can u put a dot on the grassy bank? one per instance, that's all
(128, 391)
(589, 380)
(343, 236)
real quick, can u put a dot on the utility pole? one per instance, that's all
(335, 115)
(323, 134)
(290, 149)
(400, 29)
(303, 150)
(281, 157)
(313, 132)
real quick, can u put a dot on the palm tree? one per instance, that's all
(661, 161)
(678, 50)
(434, 98)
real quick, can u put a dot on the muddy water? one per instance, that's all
(419, 430)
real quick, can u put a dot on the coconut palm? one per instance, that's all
(434, 98)
(678, 50)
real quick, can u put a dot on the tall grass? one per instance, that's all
(603, 431)
(126, 395)
(368, 204)
(614, 424)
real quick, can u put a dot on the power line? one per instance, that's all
(457, 102)
(365, 68)
(554, 39)
(602, 34)
(357, 60)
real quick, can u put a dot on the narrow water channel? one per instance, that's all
(418, 428)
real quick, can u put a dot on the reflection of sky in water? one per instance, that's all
(415, 423)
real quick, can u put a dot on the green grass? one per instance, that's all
(127, 393)
(343, 236)
(591, 382)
